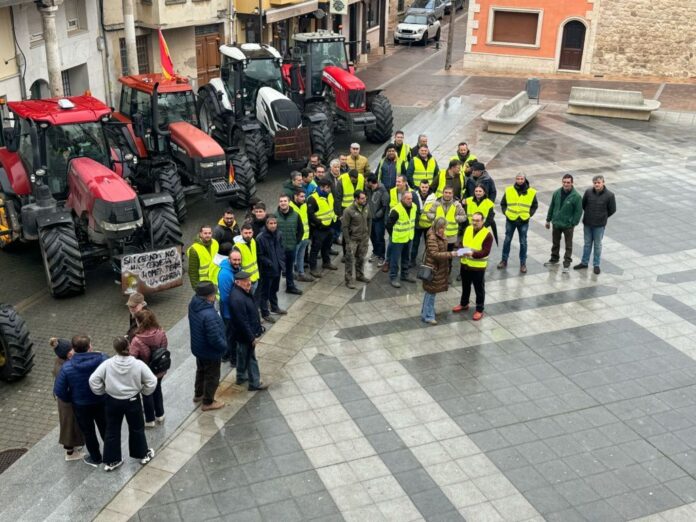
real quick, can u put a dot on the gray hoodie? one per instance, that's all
(123, 377)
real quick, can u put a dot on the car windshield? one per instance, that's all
(176, 106)
(413, 19)
(65, 142)
(262, 73)
(423, 4)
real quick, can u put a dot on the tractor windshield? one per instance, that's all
(65, 142)
(176, 106)
(262, 73)
(325, 54)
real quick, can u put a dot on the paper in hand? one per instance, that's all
(463, 251)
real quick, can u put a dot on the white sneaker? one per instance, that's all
(565, 270)
(159, 420)
(113, 465)
(150, 424)
(148, 457)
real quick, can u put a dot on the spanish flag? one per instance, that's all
(167, 65)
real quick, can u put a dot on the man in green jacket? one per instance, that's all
(564, 213)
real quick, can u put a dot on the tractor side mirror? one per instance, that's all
(138, 125)
(10, 138)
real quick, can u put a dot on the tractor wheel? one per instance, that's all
(255, 150)
(382, 110)
(62, 260)
(322, 141)
(164, 226)
(244, 176)
(16, 348)
(169, 181)
(323, 108)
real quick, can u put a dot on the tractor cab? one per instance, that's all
(318, 51)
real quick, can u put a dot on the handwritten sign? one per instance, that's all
(149, 272)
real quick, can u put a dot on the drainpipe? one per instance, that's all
(48, 9)
(129, 30)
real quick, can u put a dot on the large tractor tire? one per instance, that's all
(16, 348)
(382, 109)
(62, 260)
(326, 108)
(169, 181)
(253, 145)
(244, 176)
(322, 141)
(164, 227)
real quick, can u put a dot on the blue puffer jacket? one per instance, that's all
(72, 383)
(207, 330)
(225, 284)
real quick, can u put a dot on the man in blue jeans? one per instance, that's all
(519, 204)
(599, 205)
(401, 225)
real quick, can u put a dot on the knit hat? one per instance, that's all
(62, 348)
(205, 288)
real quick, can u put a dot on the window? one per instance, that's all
(75, 15)
(65, 76)
(143, 59)
(515, 27)
(373, 7)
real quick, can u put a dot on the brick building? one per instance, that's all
(637, 38)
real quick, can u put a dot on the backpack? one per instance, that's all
(160, 360)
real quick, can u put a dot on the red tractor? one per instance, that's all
(175, 156)
(58, 187)
(320, 79)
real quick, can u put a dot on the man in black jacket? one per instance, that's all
(226, 229)
(271, 265)
(599, 205)
(480, 176)
(244, 329)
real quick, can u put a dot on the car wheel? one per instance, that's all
(424, 40)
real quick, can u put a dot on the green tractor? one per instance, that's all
(16, 348)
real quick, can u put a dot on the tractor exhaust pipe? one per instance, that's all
(155, 112)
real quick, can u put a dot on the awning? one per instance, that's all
(283, 13)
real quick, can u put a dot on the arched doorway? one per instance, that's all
(39, 90)
(572, 45)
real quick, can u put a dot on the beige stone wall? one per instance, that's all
(646, 37)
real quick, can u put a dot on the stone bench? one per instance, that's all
(611, 103)
(510, 116)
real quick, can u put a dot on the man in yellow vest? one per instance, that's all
(452, 177)
(422, 140)
(422, 166)
(477, 243)
(347, 184)
(519, 204)
(465, 156)
(449, 208)
(246, 245)
(424, 200)
(401, 225)
(299, 205)
(321, 215)
(200, 255)
(403, 151)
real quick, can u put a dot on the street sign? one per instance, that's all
(149, 272)
(339, 7)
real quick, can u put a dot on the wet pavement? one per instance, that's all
(573, 399)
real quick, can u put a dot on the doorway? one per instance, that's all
(572, 45)
(207, 54)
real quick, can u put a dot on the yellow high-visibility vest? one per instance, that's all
(405, 227)
(422, 170)
(442, 183)
(395, 197)
(325, 211)
(302, 212)
(518, 206)
(249, 260)
(474, 242)
(472, 207)
(207, 270)
(349, 190)
(451, 216)
(424, 221)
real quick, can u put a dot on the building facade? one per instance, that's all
(23, 69)
(636, 38)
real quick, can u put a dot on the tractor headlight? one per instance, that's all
(220, 163)
(40, 172)
(207, 164)
(118, 227)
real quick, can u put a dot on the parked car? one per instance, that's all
(417, 28)
(458, 4)
(431, 7)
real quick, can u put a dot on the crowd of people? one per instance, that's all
(406, 205)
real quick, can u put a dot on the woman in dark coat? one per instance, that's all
(70, 435)
(436, 256)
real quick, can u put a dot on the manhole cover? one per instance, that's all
(9, 457)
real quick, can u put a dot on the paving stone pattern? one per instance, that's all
(590, 423)
(253, 469)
